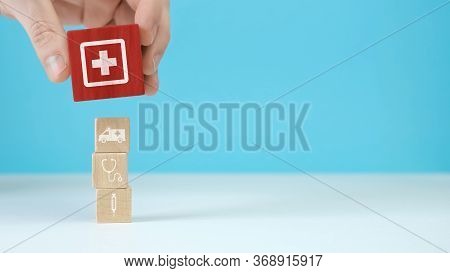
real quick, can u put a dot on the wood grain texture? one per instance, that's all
(109, 170)
(132, 68)
(112, 141)
(114, 205)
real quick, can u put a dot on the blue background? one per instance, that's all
(386, 110)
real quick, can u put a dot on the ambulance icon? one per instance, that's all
(104, 63)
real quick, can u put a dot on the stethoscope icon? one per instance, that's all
(111, 176)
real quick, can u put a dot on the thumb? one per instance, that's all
(48, 37)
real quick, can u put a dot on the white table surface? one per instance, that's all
(231, 213)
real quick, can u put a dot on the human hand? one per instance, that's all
(43, 21)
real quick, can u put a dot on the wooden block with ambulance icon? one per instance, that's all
(114, 205)
(109, 170)
(112, 135)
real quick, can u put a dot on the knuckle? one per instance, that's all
(163, 43)
(41, 33)
(168, 37)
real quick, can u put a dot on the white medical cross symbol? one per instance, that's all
(104, 63)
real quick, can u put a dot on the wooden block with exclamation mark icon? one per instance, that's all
(114, 205)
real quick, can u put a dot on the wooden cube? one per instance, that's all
(109, 170)
(114, 205)
(106, 62)
(112, 135)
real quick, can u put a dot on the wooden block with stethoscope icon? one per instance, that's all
(110, 170)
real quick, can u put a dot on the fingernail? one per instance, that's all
(152, 86)
(153, 33)
(156, 60)
(55, 65)
(151, 91)
(156, 85)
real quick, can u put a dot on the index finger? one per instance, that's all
(148, 15)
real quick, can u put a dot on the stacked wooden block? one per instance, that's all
(110, 170)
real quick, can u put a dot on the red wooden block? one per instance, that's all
(106, 62)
